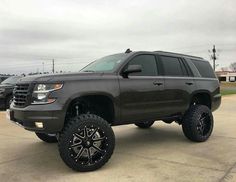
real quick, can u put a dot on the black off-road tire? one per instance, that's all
(78, 139)
(47, 137)
(198, 123)
(144, 125)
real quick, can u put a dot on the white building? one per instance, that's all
(228, 76)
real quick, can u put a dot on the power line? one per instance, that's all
(202, 45)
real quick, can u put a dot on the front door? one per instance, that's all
(141, 92)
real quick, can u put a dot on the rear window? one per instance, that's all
(173, 66)
(204, 68)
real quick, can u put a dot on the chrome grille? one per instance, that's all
(20, 95)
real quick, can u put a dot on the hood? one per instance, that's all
(61, 77)
(6, 86)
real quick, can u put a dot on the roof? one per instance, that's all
(178, 54)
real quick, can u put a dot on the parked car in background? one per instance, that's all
(2, 78)
(6, 91)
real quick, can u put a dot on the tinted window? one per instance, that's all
(204, 68)
(173, 66)
(148, 63)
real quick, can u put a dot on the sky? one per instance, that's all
(76, 32)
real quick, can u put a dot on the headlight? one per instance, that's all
(41, 93)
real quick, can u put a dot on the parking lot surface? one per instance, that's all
(160, 153)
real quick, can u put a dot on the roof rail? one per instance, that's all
(179, 54)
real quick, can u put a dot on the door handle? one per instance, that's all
(157, 83)
(189, 83)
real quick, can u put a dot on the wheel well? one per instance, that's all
(93, 104)
(202, 98)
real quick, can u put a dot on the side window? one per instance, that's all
(204, 68)
(148, 63)
(173, 66)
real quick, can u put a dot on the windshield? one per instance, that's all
(11, 81)
(106, 64)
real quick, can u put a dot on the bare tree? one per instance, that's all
(223, 69)
(233, 66)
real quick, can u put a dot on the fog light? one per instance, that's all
(39, 124)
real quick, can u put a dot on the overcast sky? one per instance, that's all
(75, 32)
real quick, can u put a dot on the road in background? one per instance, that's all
(161, 153)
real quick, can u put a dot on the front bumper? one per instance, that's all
(51, 115)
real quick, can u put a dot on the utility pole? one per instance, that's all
(213, 57)
(43, 67)
(53, 66)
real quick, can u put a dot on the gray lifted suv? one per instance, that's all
(77, 110)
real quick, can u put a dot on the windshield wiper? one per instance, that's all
(89, 71)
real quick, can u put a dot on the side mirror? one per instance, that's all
(132, 69)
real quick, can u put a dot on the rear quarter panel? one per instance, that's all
(210, 86)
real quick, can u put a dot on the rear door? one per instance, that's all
(141, 92)
(179, 84)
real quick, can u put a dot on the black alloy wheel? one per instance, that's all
(87, 143)
(204, 124)
(198, 123)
